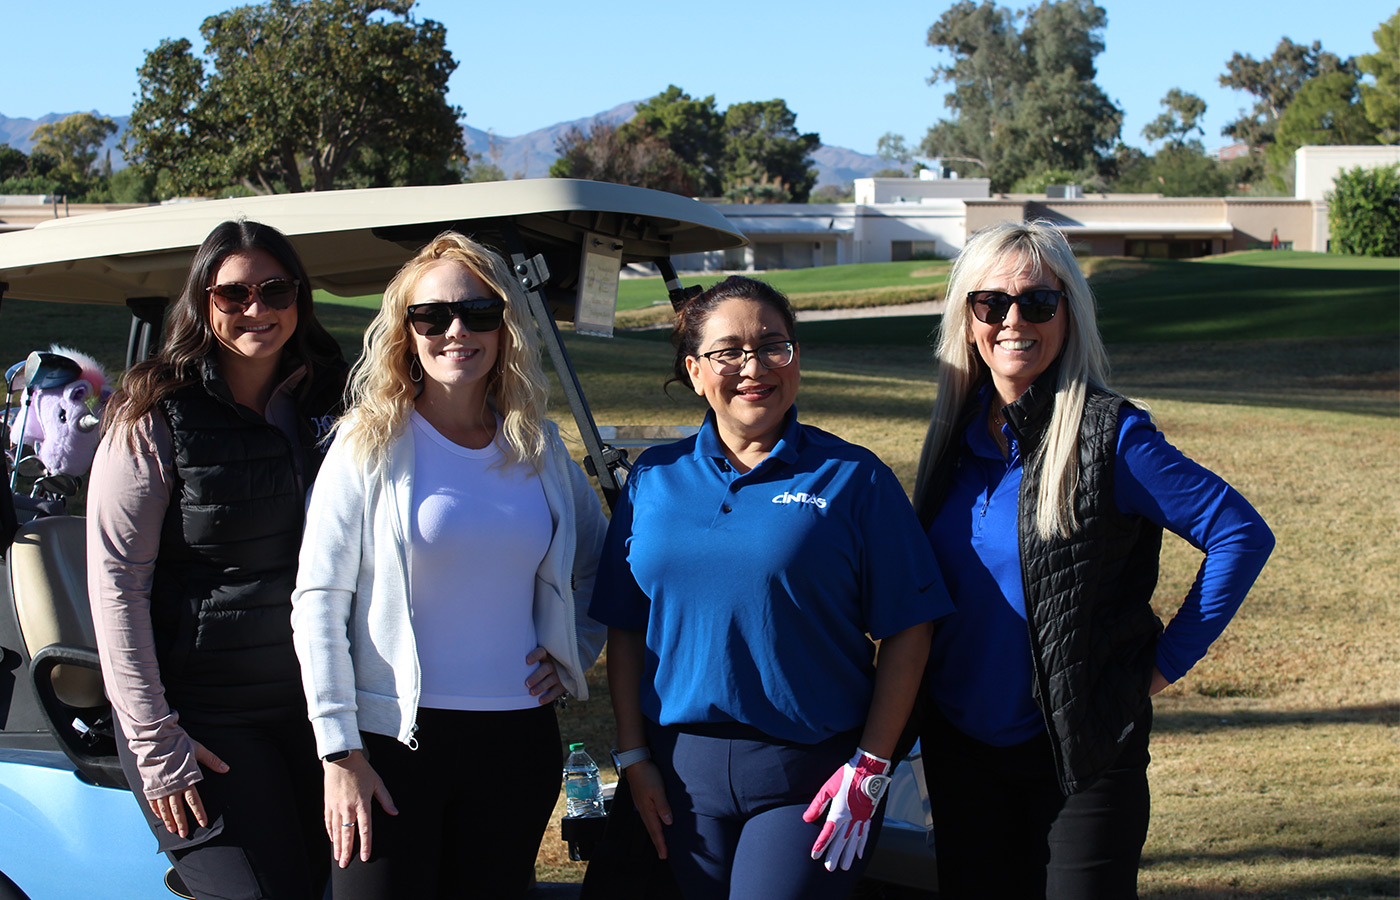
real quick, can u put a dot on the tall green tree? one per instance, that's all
(72, 143)
(693, 129)
(1381, 97)
(1174, 172)
(895, 152)
(1326, 110)
(301, 95)
(750, 153)
(1273, 82)
(1182, 116)
(766, 159)
(13, 163)
(608, 153)
(1024, 99)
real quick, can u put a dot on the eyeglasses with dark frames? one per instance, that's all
(731, 360)
(233, 297)
(1037, 306)
(477, 314)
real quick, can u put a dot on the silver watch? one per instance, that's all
(629, 757)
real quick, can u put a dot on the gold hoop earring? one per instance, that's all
(415, 371)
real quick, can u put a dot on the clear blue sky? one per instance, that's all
(850, 70)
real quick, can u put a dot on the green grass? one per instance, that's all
(1249, 296)
(923, 278)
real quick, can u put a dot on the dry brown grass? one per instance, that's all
(1275, 759)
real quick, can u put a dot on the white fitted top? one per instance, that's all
(480, 527)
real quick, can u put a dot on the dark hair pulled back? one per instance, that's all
(689, 326)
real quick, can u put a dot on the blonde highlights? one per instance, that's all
(382, 392)
(1083, 359)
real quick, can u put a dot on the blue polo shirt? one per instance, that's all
(756, 591)
(980, 665)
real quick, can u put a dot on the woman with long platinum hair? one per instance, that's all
(1044, 494)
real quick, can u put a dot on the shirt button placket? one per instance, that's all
(726, 503)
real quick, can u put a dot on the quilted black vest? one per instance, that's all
(221, 592)
(1088, 596)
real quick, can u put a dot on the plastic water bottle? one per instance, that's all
(583, 792)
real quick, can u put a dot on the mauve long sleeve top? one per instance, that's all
(129, 492)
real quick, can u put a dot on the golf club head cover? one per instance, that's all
(852, 793)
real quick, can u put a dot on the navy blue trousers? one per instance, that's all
(737, 799)
(1002, 828)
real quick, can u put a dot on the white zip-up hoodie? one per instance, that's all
(351, 617)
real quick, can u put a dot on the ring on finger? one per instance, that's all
(347, 825)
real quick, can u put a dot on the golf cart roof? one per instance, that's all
(352, 242)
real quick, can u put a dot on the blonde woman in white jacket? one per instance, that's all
(443, 589)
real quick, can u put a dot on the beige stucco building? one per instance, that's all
(904, 218)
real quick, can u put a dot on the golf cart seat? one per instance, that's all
(48, 580)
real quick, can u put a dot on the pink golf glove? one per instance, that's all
(854, 792)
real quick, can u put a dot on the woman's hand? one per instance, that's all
(171, 807)
(649, 796)
(351, 786)
(544, 682)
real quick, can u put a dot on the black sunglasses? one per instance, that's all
(233, 297)
(1037, 306)
(478, 314)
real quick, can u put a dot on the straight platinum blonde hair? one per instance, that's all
(382, 393)
(1083, 359)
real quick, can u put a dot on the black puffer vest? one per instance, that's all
(1088, 597)
(221, 592)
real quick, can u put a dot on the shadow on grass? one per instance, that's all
(1176, 300)
(1355, 374)
(1380, 884)
(347, 325)
(1167, 720)
(1378, 844)
(100, 331)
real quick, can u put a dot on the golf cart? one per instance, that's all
(72, 829)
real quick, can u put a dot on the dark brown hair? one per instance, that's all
(689, 326)
(189, 338)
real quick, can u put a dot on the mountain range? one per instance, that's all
(525, 156)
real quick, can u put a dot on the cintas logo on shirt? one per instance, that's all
(787, 497)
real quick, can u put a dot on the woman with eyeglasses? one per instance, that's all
(1044, 494)
(441, 604)
(746, 572)
(194, 513)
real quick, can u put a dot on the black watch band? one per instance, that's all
(337, 756)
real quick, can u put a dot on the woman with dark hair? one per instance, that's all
(442, 598)
(195, 512)
(745, 573)
(1044, 494)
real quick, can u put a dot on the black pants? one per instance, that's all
(468, 825)
(266, 837)
(1003, 829)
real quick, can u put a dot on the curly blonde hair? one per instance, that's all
(382, 393)
(1083, 359)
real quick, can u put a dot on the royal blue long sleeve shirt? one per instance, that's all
(980, 665)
